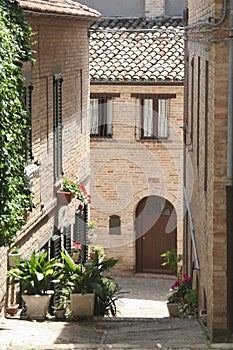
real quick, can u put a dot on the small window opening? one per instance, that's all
(114, 225)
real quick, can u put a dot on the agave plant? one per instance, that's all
(35, 274)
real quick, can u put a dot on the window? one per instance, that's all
(101, 117)
(57, 125)
(115, 225)
(154, 118)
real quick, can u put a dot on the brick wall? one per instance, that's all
(209, 207)
(125, 170)
(61, 47)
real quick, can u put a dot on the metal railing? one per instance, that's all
(192, 230)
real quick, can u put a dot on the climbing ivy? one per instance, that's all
(15, 193)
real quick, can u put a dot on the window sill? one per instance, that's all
(100, 138)
(154, 140)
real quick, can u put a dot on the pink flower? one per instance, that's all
(77, 246)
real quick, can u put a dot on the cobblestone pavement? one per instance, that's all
(142, 323)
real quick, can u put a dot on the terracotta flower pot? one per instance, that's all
(63, 197)
(12, 309)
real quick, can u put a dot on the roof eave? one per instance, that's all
(37, 13)
(137, 82)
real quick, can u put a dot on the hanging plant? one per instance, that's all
(15, 193)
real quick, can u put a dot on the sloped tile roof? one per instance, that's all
(58, 7)
(137, 49)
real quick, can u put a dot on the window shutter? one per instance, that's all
(80, 231)
(67, 238)
(55, 246)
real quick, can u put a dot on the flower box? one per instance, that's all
(63, 197)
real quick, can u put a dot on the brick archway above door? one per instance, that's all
(156, 233)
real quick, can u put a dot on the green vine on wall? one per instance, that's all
(15, 193)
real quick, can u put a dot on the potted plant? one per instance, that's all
(90, 291)
(76, 251)
(12, 310)
(190, 305)
(91, 231)
(14, 254)
(61, 306)
(71, 188)
(99, 249)
(172, 260)
(35, 276)
(176, 297)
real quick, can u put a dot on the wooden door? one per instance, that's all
(156, 233)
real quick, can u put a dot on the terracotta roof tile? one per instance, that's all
(150, 49)
(58, 7)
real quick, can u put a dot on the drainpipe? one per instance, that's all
(229, 185)
(223, 17)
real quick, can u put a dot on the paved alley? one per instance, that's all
(142, 323)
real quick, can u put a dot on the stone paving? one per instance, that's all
(142, 323)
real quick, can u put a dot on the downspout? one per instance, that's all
(223, 17)
(229, 185)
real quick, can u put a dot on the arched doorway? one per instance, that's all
(156, 233)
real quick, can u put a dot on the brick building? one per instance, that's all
(137, 8)
(209, 144)
(136, 71)
(57, 93)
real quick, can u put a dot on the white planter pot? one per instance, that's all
(37, 305)
(82, 304)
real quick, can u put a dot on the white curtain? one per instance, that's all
(109, 117)
(162, 118)
(94, 105)
(148, 117)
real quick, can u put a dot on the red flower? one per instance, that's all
(81, 206)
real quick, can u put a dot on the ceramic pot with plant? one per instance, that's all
(35, 276)
(86, 279)
(178, 292)
(77, 247)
